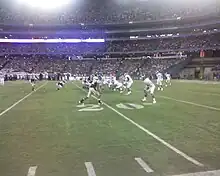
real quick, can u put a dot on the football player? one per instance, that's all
(86, 82)
(33, 81)
(159, 80)
(2, 80)
(118, 85)
(93, 89)
(60, 84)
(128, 83)
(168, 79)
(149, 89)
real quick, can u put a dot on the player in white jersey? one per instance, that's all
(159, 81)
(111, 82)
(93, 89)
(128, 83)
(149, 89)
(2, 80)
(33, 81)
(118, 85)
(105, 80)
(168, 79)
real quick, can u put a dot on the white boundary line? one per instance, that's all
(207, 173)
(191, 103)
(144, 165)
(19, 101)
(32, 171)
(90, 169)
(192, 160)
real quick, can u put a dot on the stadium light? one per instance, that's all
(45, 4)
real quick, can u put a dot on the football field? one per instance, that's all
(46, 133)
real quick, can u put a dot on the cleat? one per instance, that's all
(144, 99)
(154, 102)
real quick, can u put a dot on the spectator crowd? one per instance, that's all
(59, 64)
(181, 43)
(53, 57)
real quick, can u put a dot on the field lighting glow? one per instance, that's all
(45, 4)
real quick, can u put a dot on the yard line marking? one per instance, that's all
(32, 171)
(144, 165)
(207, 173)
(19, 101)
(187, 102)
(204, 93)
(187, 157)
(191, 103)
(90, 169)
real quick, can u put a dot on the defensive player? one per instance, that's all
(168, 79)
(60, 85)
(149, 89)
(93, 89)
(159, 80)
(128, 83)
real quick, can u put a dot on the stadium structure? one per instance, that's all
(46, 132)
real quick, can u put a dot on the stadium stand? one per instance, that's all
(131, 33)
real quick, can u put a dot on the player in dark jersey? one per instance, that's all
(60, 84)
(93, 88)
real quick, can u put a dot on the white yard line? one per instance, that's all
(191, 103)
(90, 169)
(205, 93)
(19, 101)
(207, 173)
(32, 171)
(144, 165)
(187, 157)
(186, 102)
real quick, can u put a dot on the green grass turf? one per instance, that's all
(48, 130)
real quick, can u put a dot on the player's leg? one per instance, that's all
(158, 84)
(98, 94)
(169, 82)
(146, 90)
(161, 85)
(118, 87)
(129, 84)
(88, 95)
(33, 86)
(122, 88)
(2, 81)
(152, 94)
(59, 86)
(166, 83)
